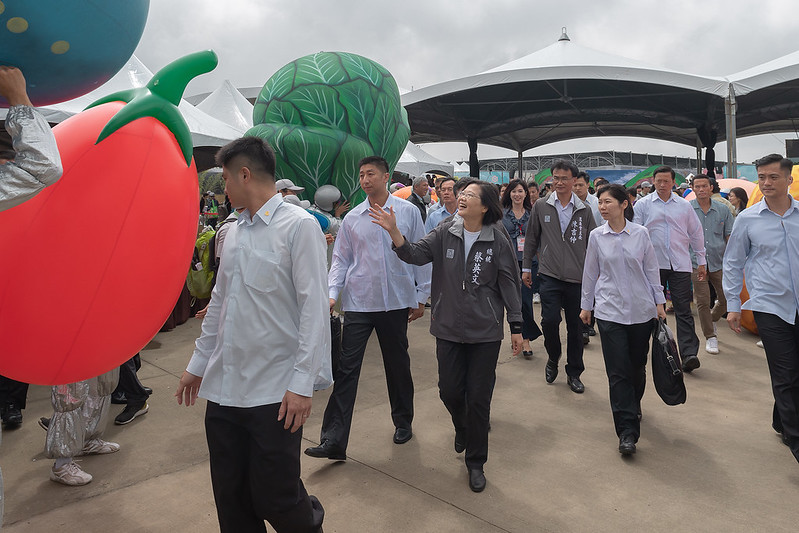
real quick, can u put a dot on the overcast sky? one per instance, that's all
(423, 42)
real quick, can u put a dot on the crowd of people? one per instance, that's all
(480, 258)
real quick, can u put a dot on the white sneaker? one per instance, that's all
(70, 474)
(536, 298)
(760, 344)
(99, 447)
(712, 345)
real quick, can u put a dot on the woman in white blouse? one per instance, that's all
(621, 284)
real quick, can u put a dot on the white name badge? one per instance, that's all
(546, 218)
(450, 253)
(520, 243)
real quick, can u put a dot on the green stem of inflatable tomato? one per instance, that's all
(159, 99)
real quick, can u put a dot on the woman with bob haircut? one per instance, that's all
(622, 276)
(475, 278)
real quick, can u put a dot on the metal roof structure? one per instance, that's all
(568, 91)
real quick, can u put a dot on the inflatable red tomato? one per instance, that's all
(93, 265)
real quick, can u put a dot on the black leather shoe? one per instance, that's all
(586, 337)
(12, 417)
(575, 384)
(460, 441)
(551, 371)
(690, 364)
(591, 332)
(477, 479)
(528, 354)
(626, 445)
(326, 451)
(402, 435)
(148, 390)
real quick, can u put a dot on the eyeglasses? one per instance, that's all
(468, 195)
(557, 179)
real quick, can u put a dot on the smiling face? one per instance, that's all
(469, 203)
(773, 181)
(517, 195)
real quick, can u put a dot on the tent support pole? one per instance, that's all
(474, 163)
(732, 152)
(520, 165)
(698, 156)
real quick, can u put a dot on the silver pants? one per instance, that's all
(80, 413)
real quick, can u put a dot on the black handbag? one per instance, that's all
(335, 342)
(667, 366)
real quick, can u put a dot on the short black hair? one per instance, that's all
(258, 154)
(665, 169)
(599, 180)
(562, 164)
(702, 177)
(462, 184)
(375, 160)
(507, 202)
(583, 176)
(621, 195)
(443, 179)
(8, 155)
(785, 163)
(489, 197)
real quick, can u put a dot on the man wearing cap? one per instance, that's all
(211, 210)
(287, 187)
(646, 187)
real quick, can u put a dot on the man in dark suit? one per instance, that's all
(417, 197)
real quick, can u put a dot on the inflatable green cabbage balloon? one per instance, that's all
(322, 113)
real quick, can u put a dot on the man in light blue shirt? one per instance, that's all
(264, 349)
(764, 246)
(716, 222)
(448, 201)
(378, 292)
(674, 228)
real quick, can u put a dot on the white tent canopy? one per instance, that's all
(205, 130)
(415, 161)
(227, 104)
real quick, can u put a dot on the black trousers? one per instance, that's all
(557, 295)
(530, 329)
(625, 349)
(129, 383)
(679, 285)
(466, 375)
(781, 342)
(392, 333)
(13, 392)
(255, 472)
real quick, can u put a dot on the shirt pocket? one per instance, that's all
(263, 271)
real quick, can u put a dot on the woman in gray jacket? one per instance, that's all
(475, 278)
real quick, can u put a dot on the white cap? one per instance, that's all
(287, 184)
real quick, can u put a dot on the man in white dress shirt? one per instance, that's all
(674, 227)
(264, 349)
(378, 292)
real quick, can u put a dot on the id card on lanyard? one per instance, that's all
(520, 239)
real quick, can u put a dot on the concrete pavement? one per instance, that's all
(713, 464)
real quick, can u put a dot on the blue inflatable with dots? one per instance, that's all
(66, 48)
